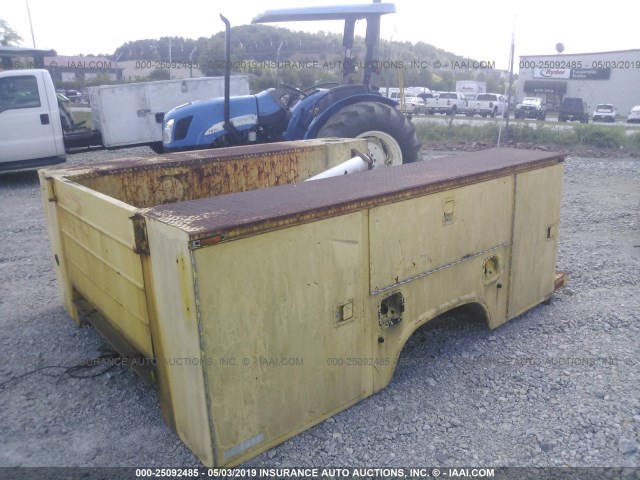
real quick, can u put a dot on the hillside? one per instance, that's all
(308, 58)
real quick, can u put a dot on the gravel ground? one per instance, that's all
(558, 386)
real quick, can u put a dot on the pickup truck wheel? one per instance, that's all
(390, 135)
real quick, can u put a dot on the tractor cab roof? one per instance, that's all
(349, 14)
(336, 12)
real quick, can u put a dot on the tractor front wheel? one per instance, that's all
(390, 135)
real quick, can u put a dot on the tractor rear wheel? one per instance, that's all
(391, 136)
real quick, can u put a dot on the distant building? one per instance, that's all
(14, 58)
(602, 77)
(82, 68)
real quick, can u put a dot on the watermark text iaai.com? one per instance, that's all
(334, 64)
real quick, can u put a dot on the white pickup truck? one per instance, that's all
(487, 104)
(449, 103)
(409, 102)
(30, 128)
(37, 130)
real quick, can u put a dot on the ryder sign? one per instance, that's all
(552, 73)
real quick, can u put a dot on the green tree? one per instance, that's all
(8, 36)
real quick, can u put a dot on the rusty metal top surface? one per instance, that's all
(113, 167)
(240, 214)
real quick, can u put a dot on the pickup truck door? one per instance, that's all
(27, 119)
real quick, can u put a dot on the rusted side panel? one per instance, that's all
(142, 188)
(146, 182)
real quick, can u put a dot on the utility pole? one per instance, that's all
(33, 38)
(510, 85)
(169, 58)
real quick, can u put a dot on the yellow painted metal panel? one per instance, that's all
(535, 237)
(428, 296)
(417, 236)
(176, 339)
(97, 242)
(271, 309)
(105, 214)
(55, 241)
(130, 327)
(105, 249)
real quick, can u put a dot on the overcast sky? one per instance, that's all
(475, 29)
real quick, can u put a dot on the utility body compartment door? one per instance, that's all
(535, 237)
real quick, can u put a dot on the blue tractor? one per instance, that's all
(351, 110)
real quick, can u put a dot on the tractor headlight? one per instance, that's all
(167, 132)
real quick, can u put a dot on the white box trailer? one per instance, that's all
(132, 113)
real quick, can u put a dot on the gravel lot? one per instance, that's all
(558, 386)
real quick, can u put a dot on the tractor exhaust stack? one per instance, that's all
(228, 126)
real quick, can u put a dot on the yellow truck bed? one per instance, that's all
(263, 305)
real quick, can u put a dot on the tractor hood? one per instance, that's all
(199, 124)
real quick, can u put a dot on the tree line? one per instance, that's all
(264, 52)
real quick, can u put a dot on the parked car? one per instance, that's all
(634, 115)
(531, 107)
(605, 112)
(573, 108)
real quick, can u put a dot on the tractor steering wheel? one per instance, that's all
(297, 93)
(293, 89)
(306, 92)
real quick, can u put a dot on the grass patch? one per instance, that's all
(543, 135)
(546, 134)
(599, 136)
(437, 133)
